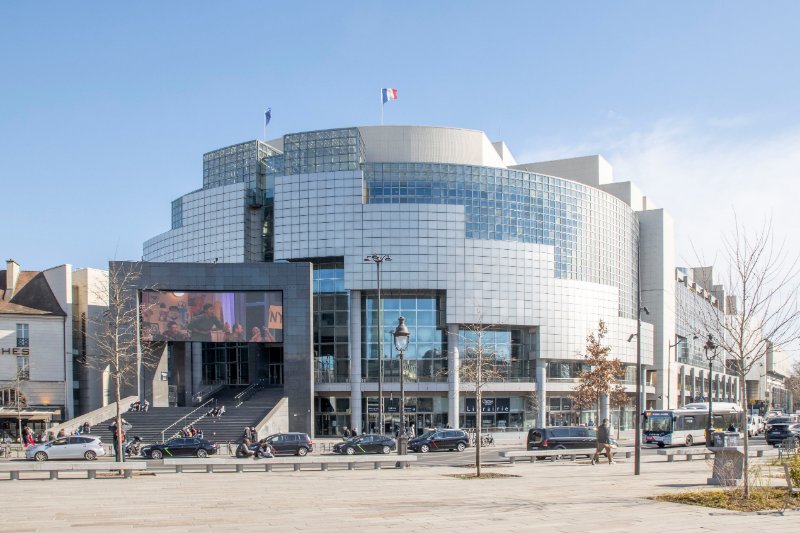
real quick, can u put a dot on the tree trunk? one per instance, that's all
(120, 444)
(478, 411)
(746, 473)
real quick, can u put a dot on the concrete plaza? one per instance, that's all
(565, 497)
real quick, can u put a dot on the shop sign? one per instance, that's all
(15, 351)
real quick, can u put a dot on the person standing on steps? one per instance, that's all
(603, 442)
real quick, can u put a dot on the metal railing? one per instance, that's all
(185, 417)
(211, 388)
(248, 392)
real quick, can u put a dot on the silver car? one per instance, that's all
(72, 447)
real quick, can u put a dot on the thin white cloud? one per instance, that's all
(702, 173)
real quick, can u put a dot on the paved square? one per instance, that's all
(559, 497)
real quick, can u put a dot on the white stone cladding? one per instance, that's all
(488, 281)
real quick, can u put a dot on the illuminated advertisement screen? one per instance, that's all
(212, 316)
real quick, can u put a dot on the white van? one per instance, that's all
(755, 425)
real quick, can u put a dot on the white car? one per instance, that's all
(72, 447)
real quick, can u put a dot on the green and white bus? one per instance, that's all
(687, 426)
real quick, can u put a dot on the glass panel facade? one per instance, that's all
(177, 213)
(593, 234)
(236, 164)
(505, 346)
(331, 322)
(225, 362)
(426, 355)
(323, 151)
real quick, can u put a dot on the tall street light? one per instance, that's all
(379, 259)
(637, 468)
(669, 371)
(401, 337)
(709, 346)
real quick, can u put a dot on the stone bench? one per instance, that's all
(56, 467)
(689, 454)
(707, 454)
(532, 455)
(219, 464)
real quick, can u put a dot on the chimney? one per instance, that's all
(12, 276)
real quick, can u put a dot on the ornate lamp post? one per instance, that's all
(710, 346)
(401, 337)
(379, 259)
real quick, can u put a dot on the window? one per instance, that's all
(24, 366)
(22, 336)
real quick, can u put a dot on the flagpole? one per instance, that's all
(265, 126)
(381, 107)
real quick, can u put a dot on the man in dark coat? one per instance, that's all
(603, 442)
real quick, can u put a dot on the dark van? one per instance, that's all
(562, 438)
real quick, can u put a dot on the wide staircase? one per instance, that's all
(239, 412)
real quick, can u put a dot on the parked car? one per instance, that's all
(291, 443)
(778, 432)
(366, 444)
(72, 447)
(777, 421)
(562, 438)
(181, 447)
(440, 439)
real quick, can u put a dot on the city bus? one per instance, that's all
(687, 426)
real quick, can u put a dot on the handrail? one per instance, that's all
(193, 422)
(182, 419)
(248, 392)
(210, 389)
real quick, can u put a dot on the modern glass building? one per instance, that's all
(531, 255)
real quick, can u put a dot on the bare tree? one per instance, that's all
(761, 308)
(479, 365)
(20, 401)
(119, 351)
(603, 372)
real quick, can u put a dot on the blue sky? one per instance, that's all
(106, 108)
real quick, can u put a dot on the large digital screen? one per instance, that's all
(212, 316)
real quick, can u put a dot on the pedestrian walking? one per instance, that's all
(603, 442)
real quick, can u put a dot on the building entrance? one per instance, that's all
(225, 363)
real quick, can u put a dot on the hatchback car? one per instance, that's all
(778, 432)
(366, 444)
(440, 439)
(181, 447)
(291, 443)
(72, 447)
(562, 438)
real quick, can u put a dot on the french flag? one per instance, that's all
(389, 94)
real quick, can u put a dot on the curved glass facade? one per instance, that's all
(593, 233)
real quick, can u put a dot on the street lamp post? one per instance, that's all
(710, 346)
(669, 371)
(401, 337)
(379, 259)
(639, 407)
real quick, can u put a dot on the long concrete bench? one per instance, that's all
(220, 464)
(56, 467)
(532, 455)
(707, 454)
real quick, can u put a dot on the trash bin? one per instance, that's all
(718, 439)
(731, 438)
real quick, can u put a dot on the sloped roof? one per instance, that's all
(33, 296)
